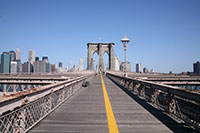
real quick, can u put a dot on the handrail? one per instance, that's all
(20, 112)
(185, 93)
(182, 103)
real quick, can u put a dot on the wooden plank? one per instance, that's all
(83, 113)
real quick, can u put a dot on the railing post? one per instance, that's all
(61, 96)
(142, 92)
(135, 87)
(139, 90)
(155, 95)
(173, 105)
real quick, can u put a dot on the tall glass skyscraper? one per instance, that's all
(5, 62)
(12, 55)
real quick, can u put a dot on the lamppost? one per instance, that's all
(125, 42)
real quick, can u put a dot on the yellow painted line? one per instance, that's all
(112, 125)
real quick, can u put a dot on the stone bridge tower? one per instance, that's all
(100, 49)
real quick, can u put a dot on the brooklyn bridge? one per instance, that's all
(99, 101)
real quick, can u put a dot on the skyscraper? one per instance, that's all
(31, 56)
(45, 59)
(19, 66)
(39, 67)
(17, 54)
(60, 64)
(37, 58)
(13, 67)
(196, 67)
(13, 55)
(60, 67)
(5, 62)
(48, 68)
(27, 67)
(138, 68)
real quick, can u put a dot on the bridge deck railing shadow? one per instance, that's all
(177, 109)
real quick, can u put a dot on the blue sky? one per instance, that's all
(164, 34)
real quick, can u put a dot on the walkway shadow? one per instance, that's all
(173, 125)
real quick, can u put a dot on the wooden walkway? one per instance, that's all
(85, 112)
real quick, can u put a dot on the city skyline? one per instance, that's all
(163, 35)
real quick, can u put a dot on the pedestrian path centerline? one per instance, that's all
(112, 125)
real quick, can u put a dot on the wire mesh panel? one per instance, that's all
(25, 117)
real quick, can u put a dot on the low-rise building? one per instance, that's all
(27, 67)
(145, 70)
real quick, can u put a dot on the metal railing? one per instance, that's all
(179, 103)
(20, 114)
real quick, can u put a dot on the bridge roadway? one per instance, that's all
(85, 112)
